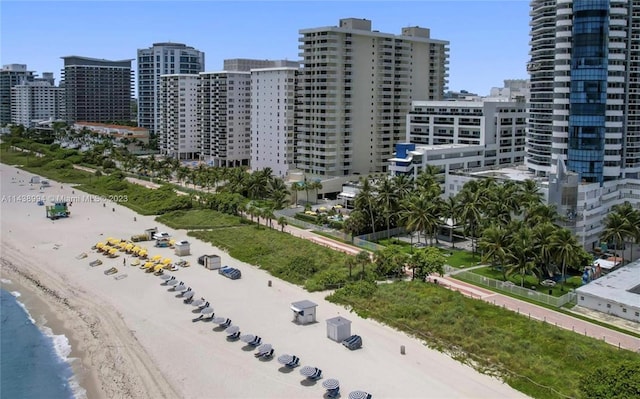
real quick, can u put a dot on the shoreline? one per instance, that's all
(43, 295)
(45, 316)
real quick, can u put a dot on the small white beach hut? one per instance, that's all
(304, 312)
(182, 248)
(338, 328)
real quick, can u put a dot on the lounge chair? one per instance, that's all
(234, 336)
(256, 341)
(96, 262)
(267, 355)
(353, 342)
(206, 305)
(333, 393)
(317, 375)
(226, 323)
(111, 271)
(294, 363)
(188, 300)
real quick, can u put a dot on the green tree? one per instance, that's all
(565, 249)
(389, 261)
(616, 229)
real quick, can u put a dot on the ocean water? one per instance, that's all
(33, 362)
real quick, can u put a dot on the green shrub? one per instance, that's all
(59, 164)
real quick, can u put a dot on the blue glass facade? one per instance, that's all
(588, 98)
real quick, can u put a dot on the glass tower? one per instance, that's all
(588, 95)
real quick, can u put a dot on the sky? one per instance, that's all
(488, 38)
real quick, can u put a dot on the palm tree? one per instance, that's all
(387, 199)
(450, 209)
(616, 230)
(631, 217)
(471, 213)
(420, 214)
(363, 258)
(315, 185)
(494, 245)
(565, 249)
(544, 246)
(403, 185)
(521, 254)
(365, 200)
(282, 221)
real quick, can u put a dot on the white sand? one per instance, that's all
(137, 333)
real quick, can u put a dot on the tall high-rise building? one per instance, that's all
(37, 101)
(273, 97)
(356, 87)
(97, 90)
(178, 129)
(585, 88)
(224, 115)
(162, 59)
(11, 75)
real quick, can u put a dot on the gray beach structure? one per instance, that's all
(617, 293)
(338, 328)
(304, 312)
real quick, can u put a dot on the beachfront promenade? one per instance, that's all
(135, 333)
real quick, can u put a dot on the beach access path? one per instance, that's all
(156, 350)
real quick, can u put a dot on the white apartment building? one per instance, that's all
(411, 159)
(499, 127)
(37, 101)
(162, 59)
(356, 87)
(273, 95)
(247, 64)
(224, 116)
(178, 129)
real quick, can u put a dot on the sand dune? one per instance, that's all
(137, 340)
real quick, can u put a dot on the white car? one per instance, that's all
(161, 235)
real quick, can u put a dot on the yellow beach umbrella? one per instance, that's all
(109, 239)
(128, 247)
(157, 268)
(100, 245)
(136, 249)
(113, 251)
(172, 242)
(142, 254)
(157, 258)
(166, 261)
(149, 265)
(135, 262)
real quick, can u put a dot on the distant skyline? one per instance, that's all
(488, 39)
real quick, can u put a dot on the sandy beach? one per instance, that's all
(135, 339)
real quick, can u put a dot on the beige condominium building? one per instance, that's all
(356, 87)
(224, 115)
(178, 130)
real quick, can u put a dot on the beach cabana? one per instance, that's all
(338, 329)
(304, 312)
(182, 248)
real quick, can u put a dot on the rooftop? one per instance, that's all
(621, 286)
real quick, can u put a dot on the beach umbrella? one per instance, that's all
(338, 206)
(331, 383)
(219, 320)
(358, 395)
(128, 247)
(247, 338)
(172, 282)
(156, 258)
(322, 209)
(308, 371)
(113, 251)
(232, 330)
(198, 302)
(136, 249)
(166, 261)
(166, 277)
(264, 348)
(100, 245)
(189, 294)
(285, 359)
(157, 268)
(208, 310)
(181, 287)
(149, 265)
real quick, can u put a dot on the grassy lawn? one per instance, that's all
(290, 258)
(531, 281)
(492, 339)
(195, 219)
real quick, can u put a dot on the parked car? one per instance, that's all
(230, 272)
